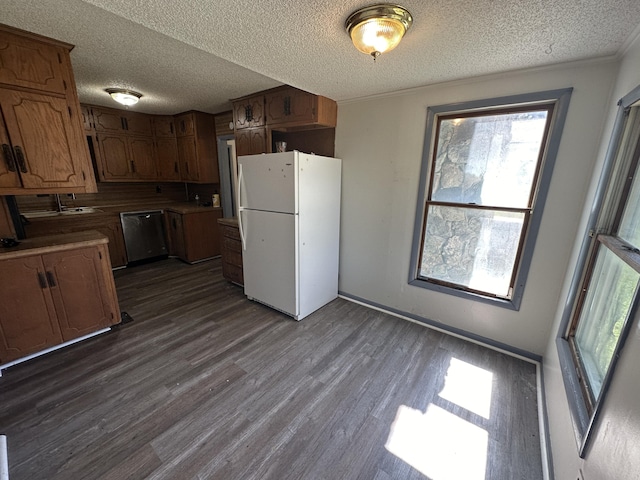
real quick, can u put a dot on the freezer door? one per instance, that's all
(270, 260)
(268, 182)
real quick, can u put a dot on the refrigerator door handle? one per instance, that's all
(240, 209)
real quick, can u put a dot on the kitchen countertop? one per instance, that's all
(53, 243)
(231, 222)
(115, 210)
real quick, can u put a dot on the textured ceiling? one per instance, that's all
(197, 54)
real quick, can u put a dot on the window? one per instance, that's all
(484, 179)
(604, 292)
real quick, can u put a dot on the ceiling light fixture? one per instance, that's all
(124, 96)
(378, 28)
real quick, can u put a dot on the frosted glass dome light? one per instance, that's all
(378, 28)
(123, 96)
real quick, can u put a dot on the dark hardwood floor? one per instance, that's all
(205, 384)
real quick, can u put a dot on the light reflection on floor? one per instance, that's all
(440, 444)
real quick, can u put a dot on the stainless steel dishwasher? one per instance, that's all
(143, 235)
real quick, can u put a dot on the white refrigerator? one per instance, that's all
(289, 219)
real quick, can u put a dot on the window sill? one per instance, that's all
(511, 304)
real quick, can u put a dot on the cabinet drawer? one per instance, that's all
(233, 273)
(230, 232)
(234, 258)
(231, 244)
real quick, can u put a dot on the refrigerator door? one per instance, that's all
(270, 260)
(268, 182)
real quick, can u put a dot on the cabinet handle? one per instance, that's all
(171, 128)
(20, 158)
(175, 167)
(248, 112)
(122, 123)
(51, 279)
(133, 167)
(186, 167)
(42, 280)
(8, 157)
(126, 124)
(287, 105)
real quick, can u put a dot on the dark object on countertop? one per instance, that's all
(9, 242)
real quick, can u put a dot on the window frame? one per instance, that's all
(601, 232)
(560, 104)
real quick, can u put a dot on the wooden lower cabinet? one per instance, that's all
(231, 251)
(50, 298)
(109, 227)
(194, 236)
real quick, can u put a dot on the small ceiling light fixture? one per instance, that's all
(124, 96)
(378, 28)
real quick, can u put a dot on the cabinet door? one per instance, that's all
(138, 123)
(117, 249)
(87, 118)
(31, 64)
(251, 141)
(291, 106)
(9, 177)
(28, 321)
(107, 120)
(188, 157)
(141, 159)
(185, 125)
(167, 158)
(249, 112)
(77, 285)
(114, 158)
(201, 235)
(176, 232)
(163, 126)
(48, 145)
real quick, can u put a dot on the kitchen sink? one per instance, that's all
(55, 213)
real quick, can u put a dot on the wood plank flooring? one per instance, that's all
(205, 384)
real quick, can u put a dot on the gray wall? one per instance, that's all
(380, 141)
(615, 447)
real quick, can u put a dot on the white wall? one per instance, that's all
(615, 447)
(380, 141)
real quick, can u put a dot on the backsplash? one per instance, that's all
(111, 194)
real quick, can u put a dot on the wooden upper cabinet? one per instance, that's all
(142, 159)
(113, 161)
(110, 120)
(197, 153)
(289, 106)
(251, 141)
(87, 118)
(167, 159)
(138, 124)
(49, 149)
(43, 142)
(166, 146)
(29, 63)
(248, 112)
(185, 124)
(126, 158)
(164, 126)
